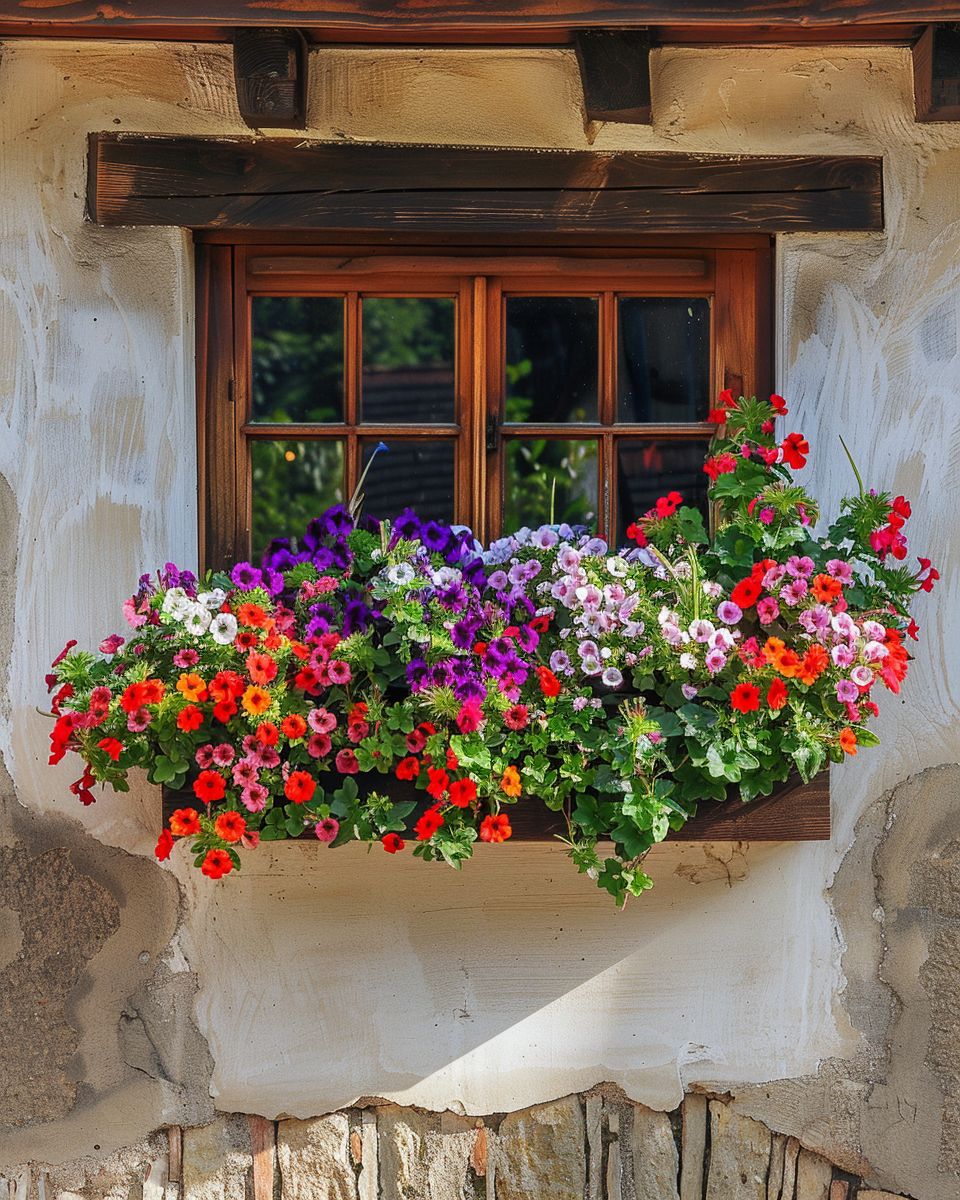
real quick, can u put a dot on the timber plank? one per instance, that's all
(209, 183)
(465, 16)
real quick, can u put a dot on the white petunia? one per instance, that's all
(197, 620)
(223, 628)
(401, 573)
(212, 599)
(177, 604)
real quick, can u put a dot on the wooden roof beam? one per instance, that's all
(270, 70)
(615, 74)
(936, 74)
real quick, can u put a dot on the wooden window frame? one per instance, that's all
(735, 273)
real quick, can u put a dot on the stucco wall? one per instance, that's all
(317, 978)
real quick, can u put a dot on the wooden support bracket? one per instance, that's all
(615, 74)
(936, 74)
(270, 69)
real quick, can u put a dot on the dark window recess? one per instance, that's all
(663, 359)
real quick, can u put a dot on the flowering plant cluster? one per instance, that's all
(618, 687)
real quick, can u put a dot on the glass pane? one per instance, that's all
(550, 480)
(416, 475)
(292, 483)
(552, 361)
(663, 373)
(297, 359)
(408, 360)
(648, 469)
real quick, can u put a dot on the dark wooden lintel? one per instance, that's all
(936, 74)
(270, 69)
(615, 73)
(281, 183)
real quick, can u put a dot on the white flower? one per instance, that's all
(212, 600)
(711, 589)
(223, 628)
(702, 631)
(688, 661)
(401, 573)
(612, 677)
(446, 577)
(197, 620)
(617, 567)
(176, 603)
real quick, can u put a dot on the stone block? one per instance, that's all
(542, 1152)
(425, 1156)
(217, 1161)
(314, 1159)
(656, 1163)
(813, 1177)
(739, 1155)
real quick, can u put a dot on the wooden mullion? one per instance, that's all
(495, 374)
(320, 432)
(473, 393)
(558, 430)
(240, 408)
(735, 323)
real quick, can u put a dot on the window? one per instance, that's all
(568, 384)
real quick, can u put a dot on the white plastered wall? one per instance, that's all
(325, 976)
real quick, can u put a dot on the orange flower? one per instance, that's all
(825, 588)
(848, 741)
(510, 783)
(192, 687)
(495, 828)
(217, 864)
(293, 726)
(184, 822)
(230, 826)
(252, 614)
(781, 658)
(153, 690)
(814, 663)
(256, 700)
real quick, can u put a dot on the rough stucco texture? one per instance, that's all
(325, 977)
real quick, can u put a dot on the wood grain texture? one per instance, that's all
(205, 183)
(794, 812)
(464, 16)
(936, 74)
(615, 74)
(270, 70)
(263, 1150)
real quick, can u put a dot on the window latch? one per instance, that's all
(493, 435)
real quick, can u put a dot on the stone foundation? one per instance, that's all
(594, 1146)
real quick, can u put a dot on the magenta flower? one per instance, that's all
(224, 754)
(346, 762)
(319, 745)
(254, 797)
(321, 721)
(327, 829)
(186, 658)
(767, 610)
(111, 644)
(204, 757)
(339, 671)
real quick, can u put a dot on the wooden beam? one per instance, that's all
(936, 74)
(209, 183)
(270, 69)
(462, 17)
(615, 74)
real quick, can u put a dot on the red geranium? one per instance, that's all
(549, 683)
(111, 746)
(392, 842)
(745, 698)
(217, 864)
(209, 786)
(777, 695)
(463, 793)
(408, 768)
(189, 718)
(795, 449)
(299, 787)
(164, 845)
(428, 824)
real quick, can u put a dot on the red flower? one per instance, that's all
(470, 717)
(480, 648)
(913, 630)
(299, 787)
(795, 449)
(164, 845)
(209, 786)
(226, 685)
(230, 826)
(778, 404)
(189, 718)
(415, 741)
(267, 733)
(308, 679)
(261, 668)
(81, 787)
(726, 400)
(517, 717)
(927, 575)
(720, 464)
(900, 508)
(346, 762)
(428, 824)
(747, 592)
(540, 623)
(439, 782)
(717, 416)
(64, 652)
(636, 534)
(63, 693)
(246, 640)
(745, 698)
(223, 710)
(217, 864)
(392, 842)
(549, 683)
(777, 695)
(408, 768)
(667, 505)
(293, 726)
(111, 746)
(495, 828)
(452, 762)
(463, 793)
(184, 822)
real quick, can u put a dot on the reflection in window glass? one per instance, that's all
(651, 468)
(552, 361)
(297, 344)
(292, 483)
(550, 480)
(408, 360)
(414, 474)
(663, 371)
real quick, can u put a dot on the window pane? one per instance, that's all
(648, 469)
(292, 483)
(552, 362)
(297, 359)
(416, 475)
(408, 360)
(550, 480)
(663, 373)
